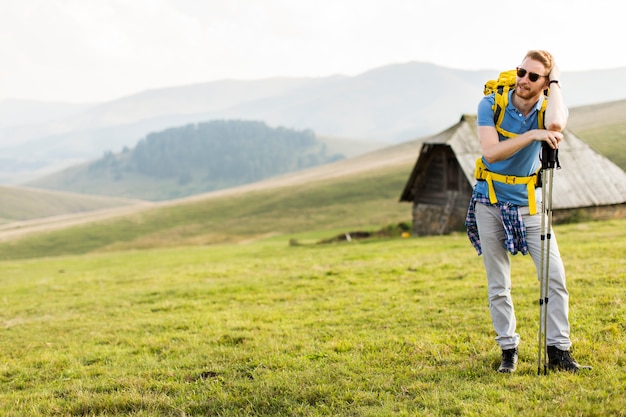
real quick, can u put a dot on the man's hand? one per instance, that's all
(552, 138)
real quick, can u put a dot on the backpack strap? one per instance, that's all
(500, 103)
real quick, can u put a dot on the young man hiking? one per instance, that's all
(502, 218)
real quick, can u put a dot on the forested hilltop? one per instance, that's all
(195, 158)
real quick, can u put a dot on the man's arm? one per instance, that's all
(493, 150)
(556, 112)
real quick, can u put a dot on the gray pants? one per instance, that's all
(498, 268)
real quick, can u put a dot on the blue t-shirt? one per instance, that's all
(523, 163)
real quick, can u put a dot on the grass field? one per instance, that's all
(364, 200)
(394, 327)
(228, 306)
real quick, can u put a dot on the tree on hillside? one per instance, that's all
(218, 154)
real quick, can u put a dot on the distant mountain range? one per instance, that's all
(387, 105)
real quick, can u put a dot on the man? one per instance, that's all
(510, 224)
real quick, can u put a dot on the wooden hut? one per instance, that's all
(588, 186)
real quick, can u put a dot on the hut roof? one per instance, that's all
(586, 179)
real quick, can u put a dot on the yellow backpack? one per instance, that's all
(501, 87)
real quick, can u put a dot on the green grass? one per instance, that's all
(369, 200)
(373, 328)
(610, 141)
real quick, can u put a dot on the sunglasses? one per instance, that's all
(531, 75)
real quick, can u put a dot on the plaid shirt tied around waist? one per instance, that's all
(512, 222)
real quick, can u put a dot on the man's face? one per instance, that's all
(525, 87)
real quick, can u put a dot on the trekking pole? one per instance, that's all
(548, 162)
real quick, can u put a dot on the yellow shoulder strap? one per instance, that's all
(500, 116)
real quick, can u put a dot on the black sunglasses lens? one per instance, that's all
(531, 75)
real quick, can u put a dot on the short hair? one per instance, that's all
(544, 57)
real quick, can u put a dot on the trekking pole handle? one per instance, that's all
(549, 156)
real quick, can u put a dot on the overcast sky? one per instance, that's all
(99, 50)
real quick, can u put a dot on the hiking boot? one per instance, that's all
(509, 361)
(562, 359)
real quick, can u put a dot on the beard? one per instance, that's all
(525, 92)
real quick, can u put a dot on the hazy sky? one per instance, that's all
(98, 50)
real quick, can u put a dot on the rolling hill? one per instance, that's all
(602, 126)
(21, 204)
(195, 158)
(358, 192)
(390, 104)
